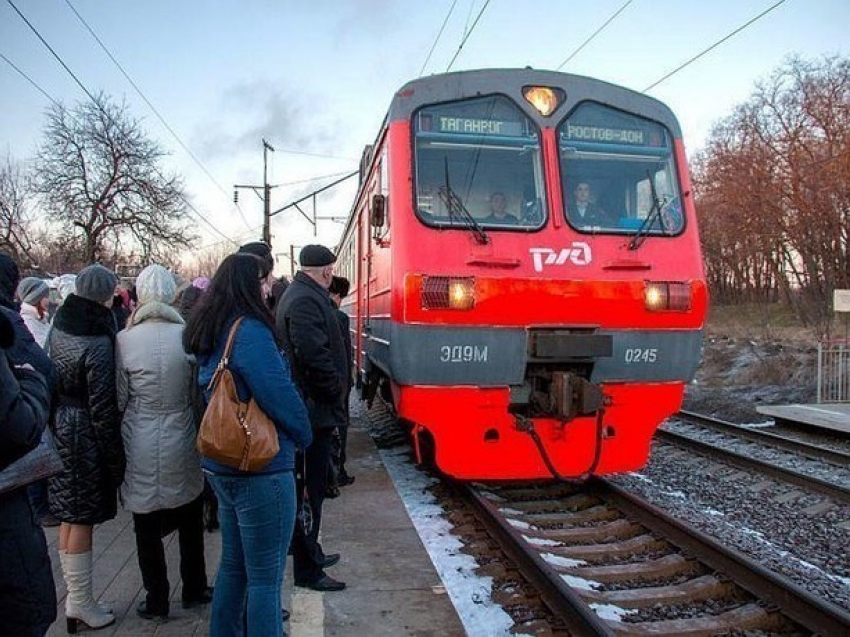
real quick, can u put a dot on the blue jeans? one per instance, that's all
(257, 515)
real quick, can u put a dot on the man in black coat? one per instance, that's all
(307, 326)
(27, 591)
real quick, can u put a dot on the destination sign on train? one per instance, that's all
(605, 134)
(474, 126)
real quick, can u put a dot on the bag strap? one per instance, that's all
(225, 357)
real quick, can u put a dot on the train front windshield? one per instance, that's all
(478, 165)
(618, 173)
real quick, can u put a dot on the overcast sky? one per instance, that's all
(315, 78)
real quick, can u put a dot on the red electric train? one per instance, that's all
(527, 284)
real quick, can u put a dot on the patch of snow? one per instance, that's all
(541, 541)
(519, 524)
(510, 511)
(581, 583)
(757, 425)
(612, 612)
(565, 562)
(470, 593)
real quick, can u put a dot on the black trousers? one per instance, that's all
(311, 472)
(151, 528)
(27, 591)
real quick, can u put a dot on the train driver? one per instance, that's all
(498, 211)
(584, 211)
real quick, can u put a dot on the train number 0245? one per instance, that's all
(641, 355)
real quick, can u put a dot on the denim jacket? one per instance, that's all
(261, 372)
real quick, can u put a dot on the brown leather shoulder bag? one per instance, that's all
(235, 433)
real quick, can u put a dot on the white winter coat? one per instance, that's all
(38, 327)
(154, 379)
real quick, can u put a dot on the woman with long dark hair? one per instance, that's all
(256, 509)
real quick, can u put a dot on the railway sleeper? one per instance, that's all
(618, 529)
(662, 567)
(697, 589)
(638, 545)
(594, 514)
(747, 617)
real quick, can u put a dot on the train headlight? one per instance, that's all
(667, 296)
(543, 98)
(448, 293)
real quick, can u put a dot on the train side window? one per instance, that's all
(472, 153)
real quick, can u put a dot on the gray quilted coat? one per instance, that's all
(154, 383)
(87, 423)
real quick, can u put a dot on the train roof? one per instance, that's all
(446, 87)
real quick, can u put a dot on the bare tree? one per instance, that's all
(208, 259)
(775, 178)
(97, 173)
(14, 212)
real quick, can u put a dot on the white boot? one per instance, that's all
(80, 604)
(104, 608)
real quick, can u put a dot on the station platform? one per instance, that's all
(832, 416)
(393, 587)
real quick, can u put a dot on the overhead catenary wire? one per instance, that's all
(437, 39)
(593, 35)
(713, 46)
(154, 109)
(94, 100)
(30, 80)
(466, 37)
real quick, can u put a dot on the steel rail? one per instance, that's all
(839, 493)
(556, 594)
(838, 458)
(808, 610)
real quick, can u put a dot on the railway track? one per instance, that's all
(815, 469)
(793, 445)
(608, 563)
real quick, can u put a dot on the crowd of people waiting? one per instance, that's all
(120, 379)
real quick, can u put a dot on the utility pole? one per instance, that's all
(266, 196)
(267, 233)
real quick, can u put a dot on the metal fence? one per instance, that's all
(834, 371)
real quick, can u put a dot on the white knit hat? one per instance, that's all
(155, 283)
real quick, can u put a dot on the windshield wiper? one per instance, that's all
(456, 208)
(654, 212)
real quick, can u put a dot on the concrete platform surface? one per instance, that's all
(834, 416)
(393, 588)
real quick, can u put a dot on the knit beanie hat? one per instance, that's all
(96, 283)
(32, 289)
(155, 283)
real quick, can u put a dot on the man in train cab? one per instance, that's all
(308, 327)
(499, 214)
(584, 211)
